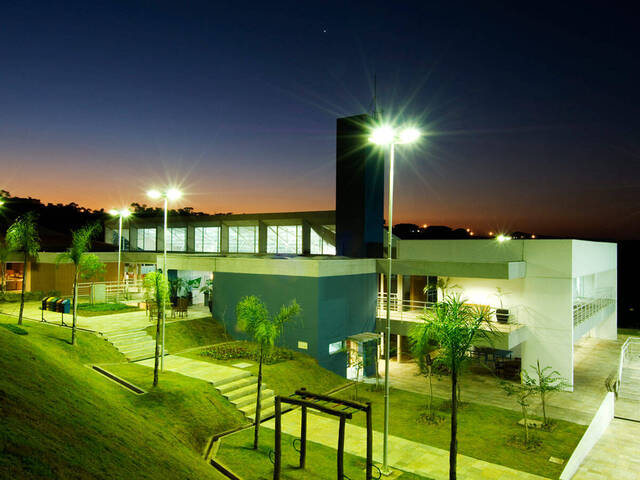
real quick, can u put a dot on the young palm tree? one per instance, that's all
(453, 325)
(157, 290)
(253, 318)
(422, 349)
(76, 253)
(22, 236)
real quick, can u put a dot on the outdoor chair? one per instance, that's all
(181, 308)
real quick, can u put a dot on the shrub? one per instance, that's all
(12, 297)
(248, 351)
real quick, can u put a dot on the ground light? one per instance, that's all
(383, 136)
(169, 194)
(124, 213)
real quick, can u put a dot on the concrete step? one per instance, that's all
(251, 398)
(243, 382)
(265, 413)
(137, 346)
(250, 408)
(141, 351)
(123, 335)
(231, 378)
(142, 356)
(242, 391)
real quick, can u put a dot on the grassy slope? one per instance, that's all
(62, 420)
(191, 333)
(483, 430)
(237, 454)
(288, 376)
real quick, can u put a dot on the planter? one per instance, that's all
(502, 315)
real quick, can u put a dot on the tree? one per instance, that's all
(443, 284)
(422, 349)
(157, 290)
(522, 391)
(76, 254)
(453, 325)
(22, 236)
(92, 269)
(253, 318)
(547, 382)
(4, 255)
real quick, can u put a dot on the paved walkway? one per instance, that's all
(615, 456)
(403, 454)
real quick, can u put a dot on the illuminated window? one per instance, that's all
(320, 246)
(336, 347)
(207, 239)
(125, 238)
(147, 239)
(284, 239)
(243, 239)
(177, 239)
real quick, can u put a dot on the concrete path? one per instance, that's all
(403, 454)
(239, 386)
(615, 456)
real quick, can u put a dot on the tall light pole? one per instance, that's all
(170, 194)
(386, 135)
(124, 213)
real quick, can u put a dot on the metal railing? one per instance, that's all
(410, 310)
(630, 347)
(585, 308)
(126, 290)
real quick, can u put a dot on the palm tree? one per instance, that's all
(22, 236)
(4, 255)
(253, 318)
(422, 349)
(80, 244)
(157, 290)
(453, 325)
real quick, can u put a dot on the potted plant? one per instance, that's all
(502, 314)
(207, 289)
(189, 286)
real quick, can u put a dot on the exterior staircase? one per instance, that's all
(134, 345)
(241, 390)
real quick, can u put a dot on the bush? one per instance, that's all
(11, 297)
(248, 351)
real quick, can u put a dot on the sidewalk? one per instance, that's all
(403, 454)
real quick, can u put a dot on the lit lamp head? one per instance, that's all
(154, 194)
(124, 213)
(173, 194)
(386, 135)
(502, 238)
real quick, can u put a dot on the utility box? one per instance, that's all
(99, 292)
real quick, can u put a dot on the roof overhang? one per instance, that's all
(500, 270)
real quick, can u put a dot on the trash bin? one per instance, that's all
(66, 306)
(44, 303)
(51, 303)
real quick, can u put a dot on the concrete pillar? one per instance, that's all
(191, 238)
(399, 347)
(399, 293)
(306, 238)
(262, 237)
(224, 238)
(160, 237)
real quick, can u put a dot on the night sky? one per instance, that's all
(532, 113)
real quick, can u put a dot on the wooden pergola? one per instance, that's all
(329, 405)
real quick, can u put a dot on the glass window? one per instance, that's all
(146, 239)
(125, 238)
(320, 246)
(284, 239)
(177, 239)
(207, 239)
(336, 347)
(243, 239)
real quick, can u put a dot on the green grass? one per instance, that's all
(187, 334)
(96, 309)
(60, 419)
(284, 378)
(634, 332)
(237, 454)
(483, 431)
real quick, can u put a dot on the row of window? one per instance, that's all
(242, 239)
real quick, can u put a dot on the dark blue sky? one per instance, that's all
(532, 112)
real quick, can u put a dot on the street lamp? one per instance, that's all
(387, 135)
(170, 194)
(124, 213)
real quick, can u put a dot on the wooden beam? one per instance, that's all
(348, 403)
(303, 438)
(341, 449)
(307, 403)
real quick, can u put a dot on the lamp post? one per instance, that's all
(387, 135)
(124, 213)
(170, 194)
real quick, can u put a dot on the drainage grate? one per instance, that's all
(119, 380)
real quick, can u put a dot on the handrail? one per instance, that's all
(623, 352)
(585, 309)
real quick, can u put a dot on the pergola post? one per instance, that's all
(369, 471)
(303, 437)
(341, 448)
(278, 440)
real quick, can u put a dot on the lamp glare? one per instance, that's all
(124, 213)
(382, 135)
(409, 135)
(154, 194)
(114, 212)
(173, 194)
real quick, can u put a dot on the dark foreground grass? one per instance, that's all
(284, 378)
(187, 334)
(484, 432)
(237, 454)
(60, 419)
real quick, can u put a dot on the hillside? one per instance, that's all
(60, 419)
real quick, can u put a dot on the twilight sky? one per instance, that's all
(532, 112)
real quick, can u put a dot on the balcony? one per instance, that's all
(589, 312)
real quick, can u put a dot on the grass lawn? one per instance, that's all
(187, 334)
(634, 332)
(284, 378)
(483, 431)
(96, 309)
(60, 419)
(237, 454)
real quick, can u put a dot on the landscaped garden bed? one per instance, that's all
(247, 351)
(97, 309)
